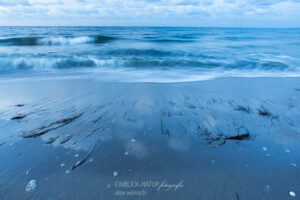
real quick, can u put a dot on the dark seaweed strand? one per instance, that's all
(63, 122)
(83, 160)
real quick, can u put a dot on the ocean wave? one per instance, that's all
(59, 40)
(172, 40)
(141, 52)
(46, 62)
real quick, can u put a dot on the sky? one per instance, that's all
(203, 13)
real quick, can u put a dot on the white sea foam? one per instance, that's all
(65, 40)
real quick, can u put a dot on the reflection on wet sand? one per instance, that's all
(142, 131)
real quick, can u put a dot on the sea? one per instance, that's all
(149, 54)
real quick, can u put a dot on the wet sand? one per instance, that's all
(229, 138)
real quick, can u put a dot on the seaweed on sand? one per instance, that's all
(19, 105)
(18, 117)
(245, 136)
(164, 114)
(1, 144)
(66, 139)
(264, 112)
(242, 134)
(94, 131)
(51, 140)
(242, 109)
(99, 118)
(221, 138)
(164, 131)
(207, 135)
(79, 163)
(131, 119)
(52, 126)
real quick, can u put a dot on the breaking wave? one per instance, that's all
(150, 53)
(59, 40)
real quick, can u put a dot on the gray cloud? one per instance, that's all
(151, 12)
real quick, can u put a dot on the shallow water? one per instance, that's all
(86, 139)
(148, 54)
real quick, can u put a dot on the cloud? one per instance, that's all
(14, 2)
(151, 12)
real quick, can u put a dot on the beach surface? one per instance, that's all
(77, 138)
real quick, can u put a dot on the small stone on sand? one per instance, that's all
(213, 161)
(116, 173)
(293, 194)
(267, 188)
(31, 186)
(68, 171)
(91, 160)
(76, 155)
(287, 151)
(62, 164)
(293, 164)
(264, 149)
(126, 153)
(132, 140)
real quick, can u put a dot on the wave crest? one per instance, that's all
(59, 40)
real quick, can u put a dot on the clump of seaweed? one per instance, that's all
(94, 131)
(242, 109)
(242, 134)
(66, 139)
(168, 114)
(98, 119)
(245, 136)
(51, 140)
(164, 131)
(207, 135)
(52, 126)
(1, 144)
(264, 112)
(19, 105)
(18, 117)
(297, 89)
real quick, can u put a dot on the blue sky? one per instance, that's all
(208, 13)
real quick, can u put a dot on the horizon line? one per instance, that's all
(148, 26)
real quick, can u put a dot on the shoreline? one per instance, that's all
(132, 75)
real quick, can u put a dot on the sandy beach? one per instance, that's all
(77, 138)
